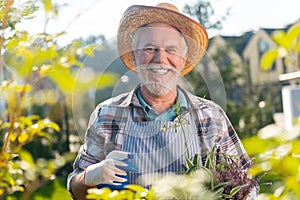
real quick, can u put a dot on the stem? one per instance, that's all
(7, 4)
(184, 135)
(66, 118)
(178, 113)
(185, 142)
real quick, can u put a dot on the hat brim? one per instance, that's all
(138, 15)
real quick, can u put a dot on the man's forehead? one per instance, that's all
(158, 26)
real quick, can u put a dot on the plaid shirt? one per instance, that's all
(107, 124)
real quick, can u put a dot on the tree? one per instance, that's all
(204, 12)
(37, 73)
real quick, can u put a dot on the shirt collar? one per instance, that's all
(167, 115)
(180, 98)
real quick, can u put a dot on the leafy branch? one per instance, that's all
(287, 47)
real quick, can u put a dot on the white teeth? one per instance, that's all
(159, 71)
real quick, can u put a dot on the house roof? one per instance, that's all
(240, 42)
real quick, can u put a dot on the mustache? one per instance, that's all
(155, 66)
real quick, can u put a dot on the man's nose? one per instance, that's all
(160, 56)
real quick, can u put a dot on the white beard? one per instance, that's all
(160, 85)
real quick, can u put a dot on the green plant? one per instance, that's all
(228, 180)
(26, 63)
(277, 158)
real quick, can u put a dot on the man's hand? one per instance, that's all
(106, 171)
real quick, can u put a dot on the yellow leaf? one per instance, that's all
(13, 136)
(23, 137)
(297, 47)
(43, 134)
(114, 195)
(292, 183)
(11, 181)
(89, 50)
(95, 192)
(290, 165)
(46, 123)
(281, 38)
(44, 69)
(295, 149)
(294, 32)
(268, 58)
(26, 156)
(48, 5)
(136, 188)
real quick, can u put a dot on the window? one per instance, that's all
(263, 46)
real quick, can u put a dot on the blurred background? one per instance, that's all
(58, 60)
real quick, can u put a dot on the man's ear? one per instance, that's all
(134, 52)
(184, 60)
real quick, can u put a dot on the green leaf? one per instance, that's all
(5, 125)
(53, 190)
(236, 189)
(210, 158)
(226, 196)
(191, 169)
(176, 108)
(164, 128)
(196, 159)
(221, 185)
(189, 162)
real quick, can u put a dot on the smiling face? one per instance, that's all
(160, 56)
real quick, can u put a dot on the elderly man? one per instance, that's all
(160, 44)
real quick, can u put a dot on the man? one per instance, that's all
(160, 44)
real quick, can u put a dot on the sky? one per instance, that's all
(82, 18)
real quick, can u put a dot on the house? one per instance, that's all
(245, 52)
(248, 49)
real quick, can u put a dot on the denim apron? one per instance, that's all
(159, 146)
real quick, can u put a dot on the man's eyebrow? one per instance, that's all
(150, 44)
(172, 46)
(167, 47)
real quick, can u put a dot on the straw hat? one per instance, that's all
(138, 15)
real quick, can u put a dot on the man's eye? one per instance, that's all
(150, 49)
(170, 50)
